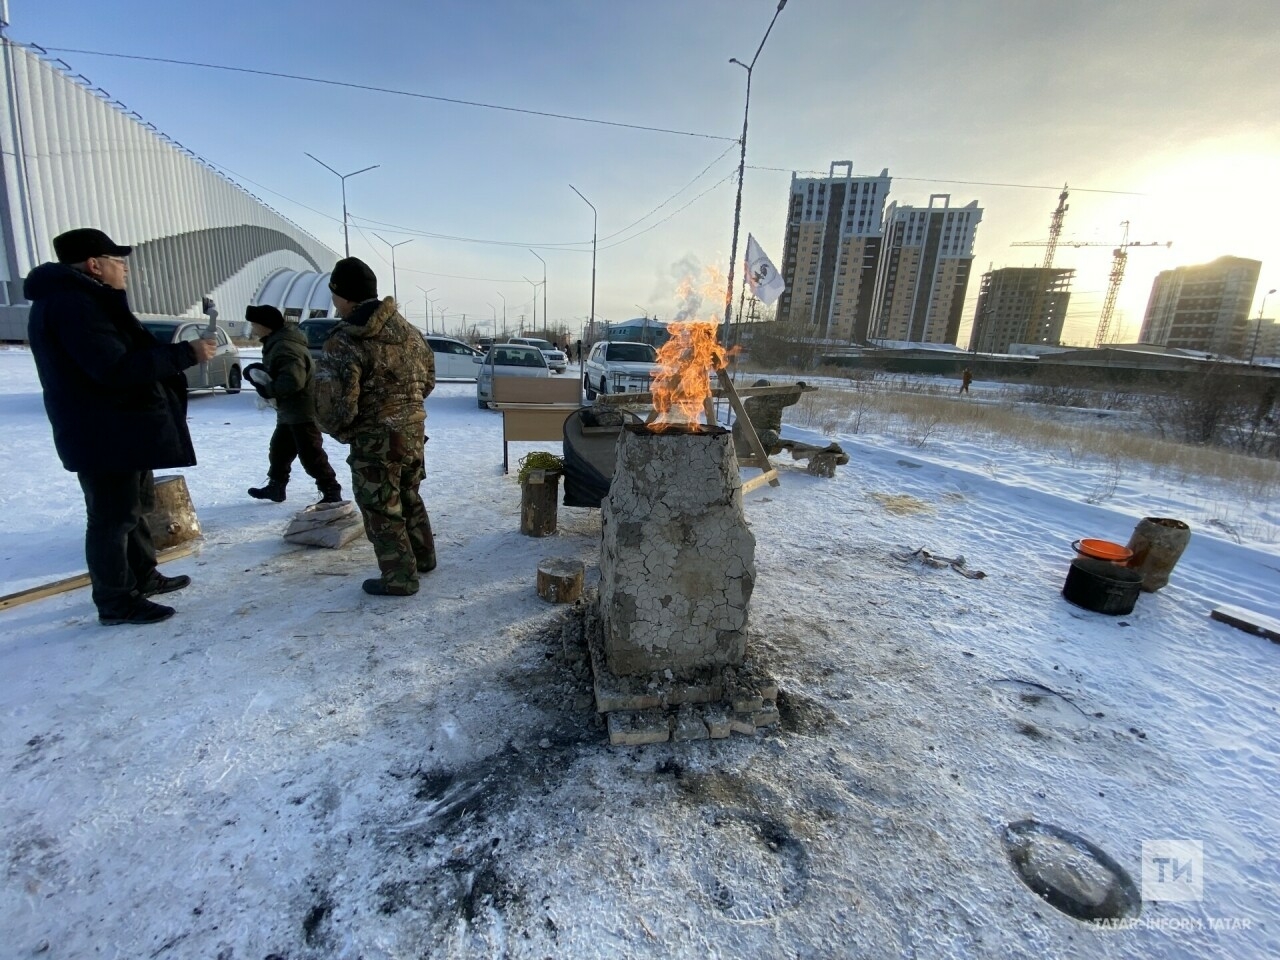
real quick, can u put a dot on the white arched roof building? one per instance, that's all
(71, 158)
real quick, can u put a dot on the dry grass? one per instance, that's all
(916, 415)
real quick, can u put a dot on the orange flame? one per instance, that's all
(683, 383)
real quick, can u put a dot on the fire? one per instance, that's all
(686, 362)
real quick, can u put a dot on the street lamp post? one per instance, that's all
(742, 166)
(504, 315)
(346, 242)
(395, 295)
(591, 320)
(1258, 329)
(534, 284)
(428, 301)
(546, 320)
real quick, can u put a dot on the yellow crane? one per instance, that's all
(1119, 260)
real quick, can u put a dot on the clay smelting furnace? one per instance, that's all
(677, 569)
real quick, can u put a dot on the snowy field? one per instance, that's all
(290, 768)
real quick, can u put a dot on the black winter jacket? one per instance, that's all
(116, 397)
(287, 358)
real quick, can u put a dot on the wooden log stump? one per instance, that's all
(173, 518)
(560, 581)
(538, 496)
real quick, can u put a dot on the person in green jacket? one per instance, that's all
(286, 376)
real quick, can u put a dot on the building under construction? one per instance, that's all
(1020, 305)
(1204, 307)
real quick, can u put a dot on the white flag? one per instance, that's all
(765, 282)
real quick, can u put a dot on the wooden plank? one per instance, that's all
(748, 430)
(770, 476)
(81, 580)
(537, 390)
(646, 399)
(1247, 620)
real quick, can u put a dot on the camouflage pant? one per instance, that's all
(386, 470)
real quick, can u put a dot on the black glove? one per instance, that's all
(258, 378)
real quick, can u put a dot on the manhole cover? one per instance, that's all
(1070, 873)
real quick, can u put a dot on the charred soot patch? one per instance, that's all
(1070, 873)
(312, 922)
(799, 714)
(754, 868)
(480, 887)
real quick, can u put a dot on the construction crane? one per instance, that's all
(1032, 333)
(1119, 260)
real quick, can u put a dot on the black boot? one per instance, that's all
(331, 496)
(379, 587)
(272, 491)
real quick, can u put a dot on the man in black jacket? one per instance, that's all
(117, 402)
(286, 376)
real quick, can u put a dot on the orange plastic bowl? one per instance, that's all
(1103, 550)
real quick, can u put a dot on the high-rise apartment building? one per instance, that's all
(834, 230)
(1203, 307)
(1020, 305)
(923, 271)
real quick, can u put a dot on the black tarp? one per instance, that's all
(589, 457)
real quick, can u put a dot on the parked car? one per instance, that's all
(453, 358)
(316, 330)
(221, 371)
(484, 343)
(619, 367)
(507, 360)
(556, 359)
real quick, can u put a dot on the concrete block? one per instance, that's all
(767, 716)
(688, 725)
(716, 718)
(742, 723)
(628, 728)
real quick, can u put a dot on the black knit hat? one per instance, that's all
(266, 315)
(77, 246)
(352, 280)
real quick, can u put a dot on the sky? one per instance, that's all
(1160, 114)
(289, 767)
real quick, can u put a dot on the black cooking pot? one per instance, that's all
(1102, 586)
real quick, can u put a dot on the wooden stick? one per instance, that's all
(749, 431)
(81, 580)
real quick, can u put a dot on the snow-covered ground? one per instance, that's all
(291, 768)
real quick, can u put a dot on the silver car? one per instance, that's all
(556, 359)
(221, 371)
(507, 360)
(619, 367)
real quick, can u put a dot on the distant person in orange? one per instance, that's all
(966, 378)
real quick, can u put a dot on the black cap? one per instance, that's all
(77, 246)
(265, 315)
(352, 280)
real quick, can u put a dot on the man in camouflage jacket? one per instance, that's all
(371, 382)
(286, 376)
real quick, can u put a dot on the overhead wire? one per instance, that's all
(390, 90)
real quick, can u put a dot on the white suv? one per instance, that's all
(619, 367)
(556, 359)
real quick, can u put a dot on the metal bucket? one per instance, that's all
(1102, 586)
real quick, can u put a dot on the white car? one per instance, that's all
(556, 359)
(619, 367)
(454, 359)
(507, 360)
